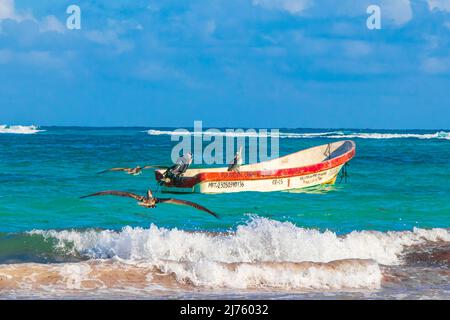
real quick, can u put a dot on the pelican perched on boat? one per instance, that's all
(179, 168)
(237, 161)
(182, 164)
(149, 201)
(134, 171)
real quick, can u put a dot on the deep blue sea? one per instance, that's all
(389, 220)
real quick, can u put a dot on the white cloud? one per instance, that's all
(47, 24)
(51, 24)
(8, 10)
(114, 35)
(111, 38)
(435, 65)
(443, 5)
(40, 59)
(160, 71)
(397, 11)
(291, 6)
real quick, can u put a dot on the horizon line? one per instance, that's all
(220, 127)
(227, 127)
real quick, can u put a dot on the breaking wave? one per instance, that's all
(19, 129)
(243, 133)
(437, 135)
(344, 274)
(327, 134)
(261, 253)
(233, 133)
(259, 240)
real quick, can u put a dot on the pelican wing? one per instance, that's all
(186, 203)
(116, 193)
(114, 169)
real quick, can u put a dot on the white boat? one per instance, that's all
(302, 169)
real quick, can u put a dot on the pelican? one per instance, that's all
(182, 164)
(237, 161)
(134, 171)
(149, 201)
(179, 168)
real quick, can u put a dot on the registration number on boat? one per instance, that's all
(226, 184)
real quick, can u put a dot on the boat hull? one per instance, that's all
(261, 185)
(303, 169)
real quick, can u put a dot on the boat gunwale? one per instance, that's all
(189, 182)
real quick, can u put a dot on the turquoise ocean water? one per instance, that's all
(397, 192)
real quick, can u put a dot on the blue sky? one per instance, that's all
(235, 63)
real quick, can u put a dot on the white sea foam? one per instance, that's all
(256, 133)
(437, 135)
(260, 240)
(19, 129)
(259, 254)
(64, 277)
(262, 253)
(342, 274)
(443, 135)
(244, 133)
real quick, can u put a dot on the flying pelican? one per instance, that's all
(134, 171)
(149, 201)
(237, 161)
